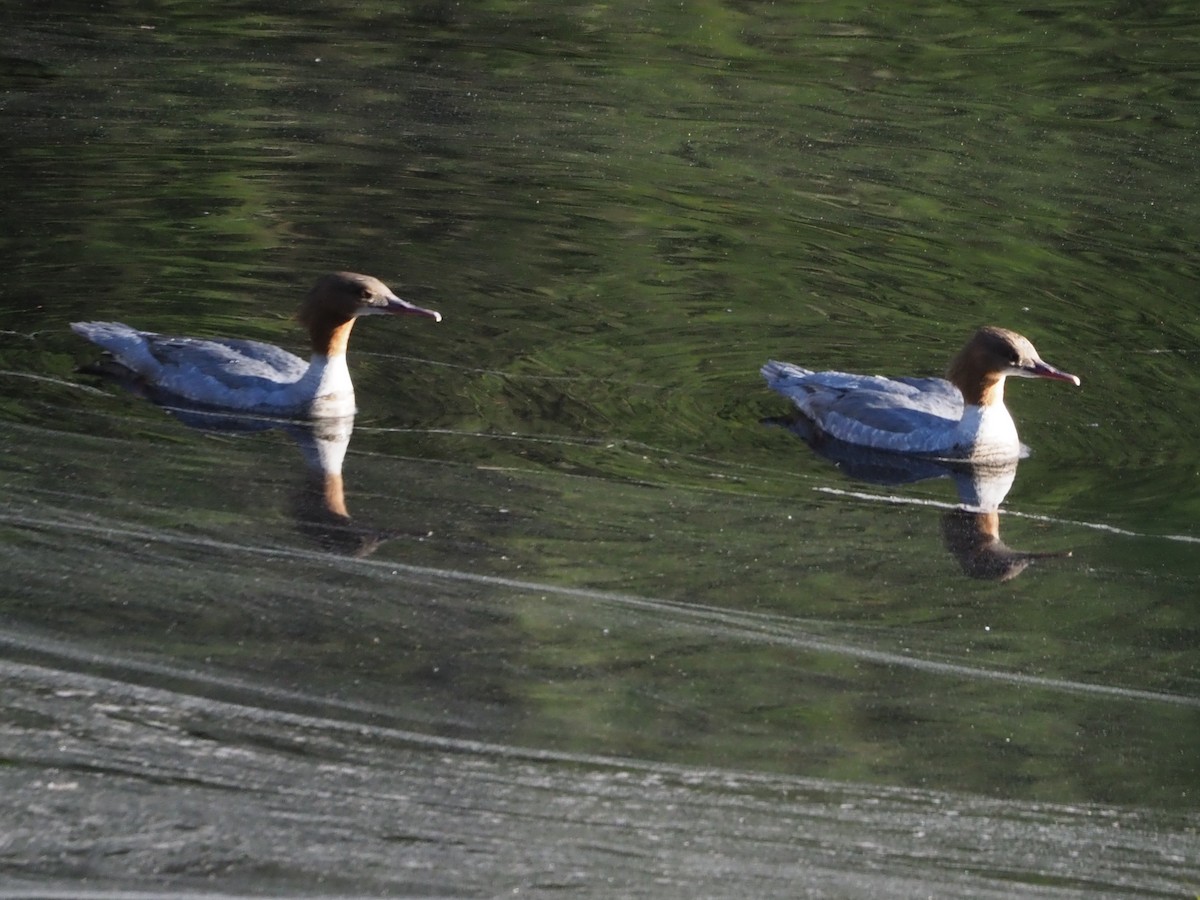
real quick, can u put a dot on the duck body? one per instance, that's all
(228, 374)
(902, 415)
(962, 416)
(251, 376)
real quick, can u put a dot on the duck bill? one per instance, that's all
(397, 307)
(1044, 370)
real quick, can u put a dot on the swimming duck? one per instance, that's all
(254, 377)
(960, 417)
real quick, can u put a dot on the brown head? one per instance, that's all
(989, 357)
(336, 300)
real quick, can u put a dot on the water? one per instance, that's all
(592, 626)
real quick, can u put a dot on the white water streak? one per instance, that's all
(763, 627)
(897, 500)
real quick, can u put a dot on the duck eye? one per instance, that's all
(365, 293)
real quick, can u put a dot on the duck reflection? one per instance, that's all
(319, 502)
(971, 532)
(973, 537)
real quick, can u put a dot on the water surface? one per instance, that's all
(593, 626)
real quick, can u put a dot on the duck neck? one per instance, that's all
(979, 384)
(330, 339)
(983, 400)
(327, 382)
(987, 430)
(986, 391)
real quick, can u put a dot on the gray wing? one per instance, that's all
(234, 362)
(898, 405)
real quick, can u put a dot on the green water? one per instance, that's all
(601, 551)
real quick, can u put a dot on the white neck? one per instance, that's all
(328, 383)
(989, 430)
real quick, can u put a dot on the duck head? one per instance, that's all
(336, 300)
(989, 357)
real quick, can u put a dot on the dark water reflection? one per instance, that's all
(574, 620)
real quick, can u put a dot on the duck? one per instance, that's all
(250, 376)
(960, 417)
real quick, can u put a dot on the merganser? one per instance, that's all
(255, 377)
(960, 417)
